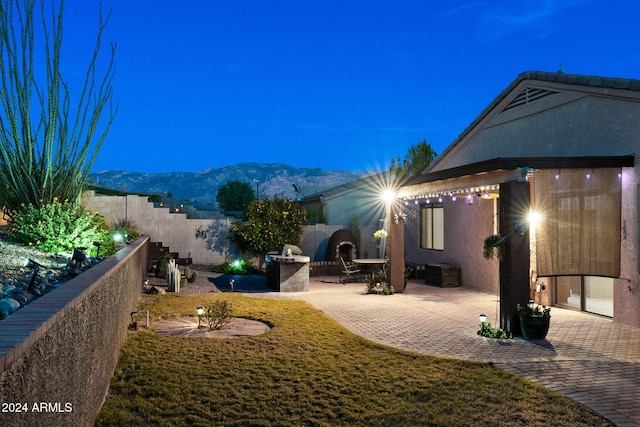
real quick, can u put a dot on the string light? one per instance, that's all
(485, 192)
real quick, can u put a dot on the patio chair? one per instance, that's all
(348, 269)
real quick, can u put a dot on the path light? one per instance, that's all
(78, 254)
(530, 304)
(231, 283)
(200, 310)
(97, 245)
(483, 318)
(36, 268)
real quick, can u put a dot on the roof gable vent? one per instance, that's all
(527, 96)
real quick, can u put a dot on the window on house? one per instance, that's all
(432, 227)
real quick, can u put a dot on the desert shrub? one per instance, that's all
(218, 314)
(126, 228)
(55, 227)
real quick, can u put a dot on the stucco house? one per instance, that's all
(556, 145)
(359, 199)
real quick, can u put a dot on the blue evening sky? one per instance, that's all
(340, 84)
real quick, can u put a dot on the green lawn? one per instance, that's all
(310, 371)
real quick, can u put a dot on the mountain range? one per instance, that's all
(202, 187)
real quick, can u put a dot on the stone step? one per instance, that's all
(157, 249)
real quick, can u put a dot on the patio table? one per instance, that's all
(370, 263)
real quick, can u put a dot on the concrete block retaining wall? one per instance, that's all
(173, 229)
(58, 354)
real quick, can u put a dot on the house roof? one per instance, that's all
(366, 182)
(557, 77)
(505, 163)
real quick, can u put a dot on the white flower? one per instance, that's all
(380, 234)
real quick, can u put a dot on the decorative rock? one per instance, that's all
(20, 297)
(8, 306)
(156, 291)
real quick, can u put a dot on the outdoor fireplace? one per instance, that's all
(342, 243)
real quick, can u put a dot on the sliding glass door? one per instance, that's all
(585, 293)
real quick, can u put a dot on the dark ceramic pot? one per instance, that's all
(534, 327)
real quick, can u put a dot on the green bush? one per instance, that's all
(239, 266)
(126, 228)
(486, 330)
(61, 227)
(56, 227)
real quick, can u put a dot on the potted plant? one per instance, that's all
(378, 284)
(493, 246)
(534, 320)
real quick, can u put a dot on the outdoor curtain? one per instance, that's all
(579, 228)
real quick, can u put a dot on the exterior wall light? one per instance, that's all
(521, 227)
(388, 195)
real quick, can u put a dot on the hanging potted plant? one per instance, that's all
(494, 246)
(534, 320)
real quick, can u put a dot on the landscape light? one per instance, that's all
(97, 245)
(78, 254)
(200, 311)
(483, 318)
(117, 237)
(36, 268)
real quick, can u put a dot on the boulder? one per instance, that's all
(156, 290)
(8, 306)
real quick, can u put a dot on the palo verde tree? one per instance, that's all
(48, 141)
(268, 224)
(235, 196)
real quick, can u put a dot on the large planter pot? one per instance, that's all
(534, 327)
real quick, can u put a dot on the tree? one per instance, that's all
(417, 159)
(269, 223)
(46, 152)
(235, 196)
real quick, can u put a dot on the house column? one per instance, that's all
(515, 202)
(395, 246)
